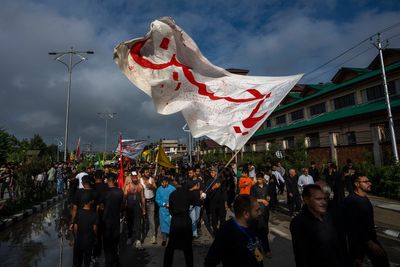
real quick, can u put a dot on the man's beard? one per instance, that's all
(252, 222)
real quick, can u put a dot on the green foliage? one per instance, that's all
(37, 143)
(6, 144)
(297, 158)
(385, 179)
(215, 157)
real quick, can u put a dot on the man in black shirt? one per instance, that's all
(85, 227)
(235, 244)
(77, 202)
(216, 194)
(260, 192)
(314, 237)
(101, 190)
(348, 172)
(313, 171)
(292, 190)
(193, 185)
(111, 215)
(360, 226)
(180, 234)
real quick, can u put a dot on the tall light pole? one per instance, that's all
(70, 65)
(106, 116)
(186, 129)
(378, 45)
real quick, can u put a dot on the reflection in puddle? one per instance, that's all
(35, 241)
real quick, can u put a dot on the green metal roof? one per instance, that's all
(295, 95)
(363, 70)
(329, 87)
(334, 115)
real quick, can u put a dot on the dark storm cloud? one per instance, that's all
(267, 37)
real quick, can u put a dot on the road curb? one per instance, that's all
(28, 212)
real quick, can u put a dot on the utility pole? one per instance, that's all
(378, 45)
(70, 65)
(106, 116)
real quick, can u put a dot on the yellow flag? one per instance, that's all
(162, 158)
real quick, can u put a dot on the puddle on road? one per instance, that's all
(35, 241)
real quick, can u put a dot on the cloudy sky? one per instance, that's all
(266, 37)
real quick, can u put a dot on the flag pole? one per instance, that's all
(156, 160)
(226, 165)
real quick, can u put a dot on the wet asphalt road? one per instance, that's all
(35, 242)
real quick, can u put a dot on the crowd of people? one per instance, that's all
(173, 207)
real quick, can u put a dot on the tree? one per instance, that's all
(7, 142)
(37, 143)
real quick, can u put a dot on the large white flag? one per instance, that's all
(168, 66)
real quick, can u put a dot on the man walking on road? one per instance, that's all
(235, 244)
(314, 237)
(180, 234)
(111, 215)
(292, 190)
(149, 186)
(360, 225)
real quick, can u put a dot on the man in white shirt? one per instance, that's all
(305, 179)
(279, 178)
(252, 171)
(149, 186)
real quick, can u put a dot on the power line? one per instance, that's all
(333, 59)
(351, 48)
(337, 66)
(393, 36)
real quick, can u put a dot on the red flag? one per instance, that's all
(121, 165)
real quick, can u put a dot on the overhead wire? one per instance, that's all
(337, 66)
(351, 48)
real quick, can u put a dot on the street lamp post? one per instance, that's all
(106, 116)
(186, 129)
(70, 65)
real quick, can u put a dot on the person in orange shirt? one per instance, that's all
(245, 183)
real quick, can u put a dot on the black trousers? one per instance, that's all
(294, 203)
(169, 256)
(98, 246)
(263, 229)
(218, 214)
(82, 256)
(111, 241)
(133, 222)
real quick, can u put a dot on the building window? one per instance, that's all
(288, 142)
(318, 109)
(268, 123)
(351, 138)
(378, 91)
(297, 115)
(280, 120)
(344, 101)
(267, 146)
(312, 140)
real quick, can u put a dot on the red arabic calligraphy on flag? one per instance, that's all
(168, 66)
